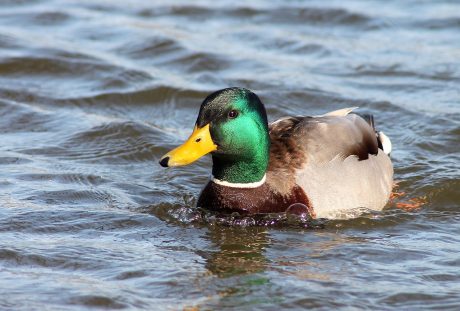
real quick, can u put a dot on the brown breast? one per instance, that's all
(249, 200)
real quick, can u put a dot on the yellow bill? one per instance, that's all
(196, 146)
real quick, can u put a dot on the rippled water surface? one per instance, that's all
(92, 93)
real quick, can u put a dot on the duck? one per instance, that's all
(328, 164)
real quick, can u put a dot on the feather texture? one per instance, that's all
(334, 158)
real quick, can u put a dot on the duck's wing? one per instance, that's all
(324, 138)
(335, 158)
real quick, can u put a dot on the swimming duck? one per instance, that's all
(329, 163)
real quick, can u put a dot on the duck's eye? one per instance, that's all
(232, 114)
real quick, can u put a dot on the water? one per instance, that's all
(92, 93)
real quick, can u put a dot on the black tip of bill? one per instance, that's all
(164, 162)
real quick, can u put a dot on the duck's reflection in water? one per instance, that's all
(255, 250)
(258, 260)
(238, 250)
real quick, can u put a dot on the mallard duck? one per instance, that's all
(328, 163)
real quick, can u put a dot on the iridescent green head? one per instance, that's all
(236, 123)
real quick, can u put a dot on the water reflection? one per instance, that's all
(256, 250)
(239, 250)
(263, 262)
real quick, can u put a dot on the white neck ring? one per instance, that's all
(239, 185)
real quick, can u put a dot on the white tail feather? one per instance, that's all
(386, 143)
